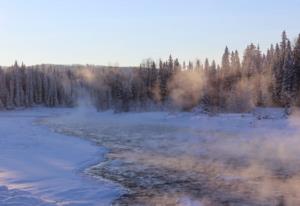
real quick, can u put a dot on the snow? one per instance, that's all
(239, 149)
(19, 198)
(42, 163)
(40, 167)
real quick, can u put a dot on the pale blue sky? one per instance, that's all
(127, 31)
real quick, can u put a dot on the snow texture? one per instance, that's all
(233, 157)
(230, 157)
(40, 167)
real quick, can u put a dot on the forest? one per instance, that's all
(238, 84)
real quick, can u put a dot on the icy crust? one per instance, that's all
(15, 197)
(40, 166)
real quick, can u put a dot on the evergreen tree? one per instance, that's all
(288, 76)
(191, 66)
(29, 88)
(3, 90)
(11, 93)
(170, 63)
(296, 65)
(252, 61)
(226, 60)
(206, 65)
(277, 76)
(177, 66)
(198, 65)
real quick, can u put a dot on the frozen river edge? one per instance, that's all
(161, 158)
(193, 159)
(41, 167)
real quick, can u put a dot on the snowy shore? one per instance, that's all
(192, 158)
(159, 158)
(40, 167)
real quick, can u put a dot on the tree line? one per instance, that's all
(22, 86)
(238, 84)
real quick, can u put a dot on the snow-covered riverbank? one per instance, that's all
(195, 159)
(40, 167)
(161, 158)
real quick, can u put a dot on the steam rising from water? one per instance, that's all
(187, 88)
(260, 159)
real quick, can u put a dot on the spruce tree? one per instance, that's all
(288, 75)
(296, 65)
(3, 90)
(226, 60)
(206, 65)
(277, 76)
